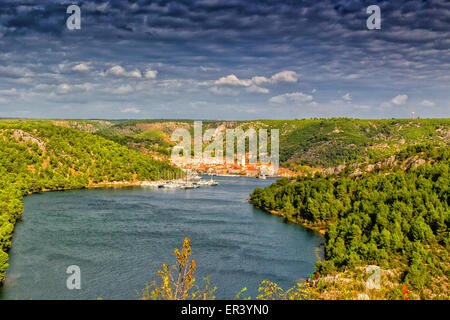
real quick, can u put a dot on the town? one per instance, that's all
(242, 167)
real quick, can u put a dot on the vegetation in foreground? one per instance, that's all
(182, 285)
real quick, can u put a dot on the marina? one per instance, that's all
(191, 182)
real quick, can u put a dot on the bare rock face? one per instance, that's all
(356, 173)
(390, 161)
(338, 169)
(335, 170)
(27, 137)
(387, 163)
(412, 162)
(444, 133)
(417, 163)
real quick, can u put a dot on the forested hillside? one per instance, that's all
(313, 142)
(394, 217)
(36, 157)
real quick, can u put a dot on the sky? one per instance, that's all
(224, 59)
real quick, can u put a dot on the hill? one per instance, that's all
(395, 216)
(317, 142)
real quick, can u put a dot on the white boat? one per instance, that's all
(170, 185)
(206, 183)
(190, 186)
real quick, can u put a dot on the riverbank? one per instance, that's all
(320, 228)
(113, 184)
(118, 184)
(92, 186)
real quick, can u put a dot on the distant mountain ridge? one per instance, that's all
(314, 142)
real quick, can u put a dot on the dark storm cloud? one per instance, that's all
(193, 41)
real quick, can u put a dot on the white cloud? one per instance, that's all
(285, 76)
(65, 88)
(81, 67)
(347, 97)
(257, 89)
(15, 72)
(232, 80)
(151, 74)
(131, 110)
(171, 83)
(352, 76)
(124, 89)
(206, 69)
(8, 92)
(427, 104)
(295, 97)
(400, 99)
(120, 71)
(258, 80)
(224, 91)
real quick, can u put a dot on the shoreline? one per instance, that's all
(321, 229)
(125, 183)
(113, 184)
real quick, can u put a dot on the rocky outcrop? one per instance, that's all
(358, 168)
(28, 137)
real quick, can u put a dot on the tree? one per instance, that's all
(182, 286)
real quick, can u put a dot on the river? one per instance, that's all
(119, 237)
